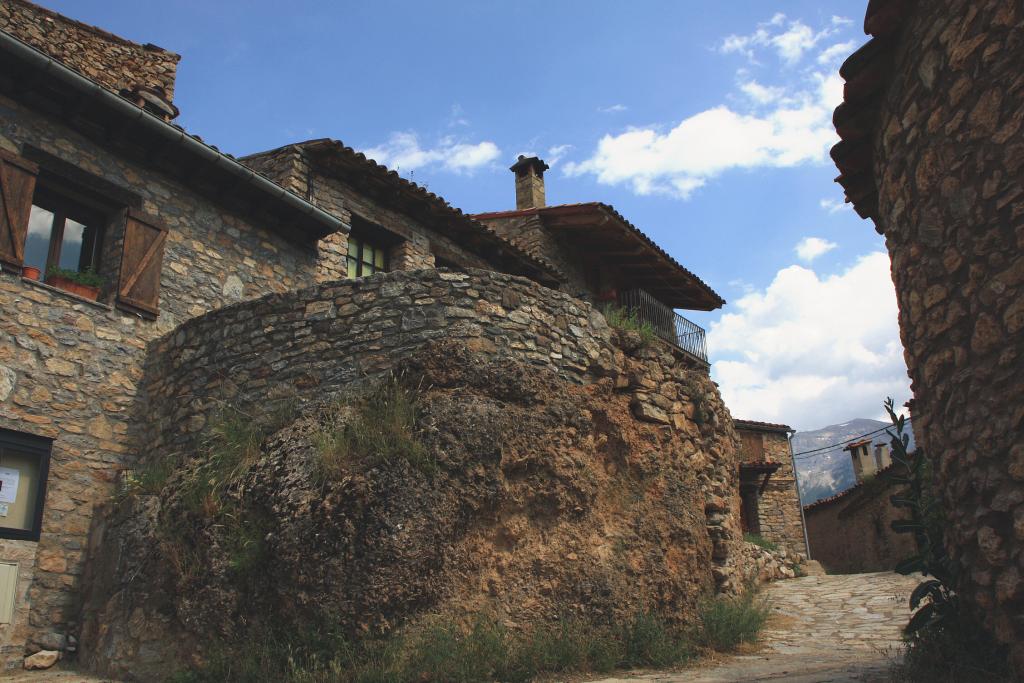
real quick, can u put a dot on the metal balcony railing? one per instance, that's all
(669, 325)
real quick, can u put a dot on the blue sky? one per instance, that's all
(706, 124)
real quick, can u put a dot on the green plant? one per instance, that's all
(761, 541)
(87, 277)
(627, 320)
(943, 641)
(377, 427)
(726, 622)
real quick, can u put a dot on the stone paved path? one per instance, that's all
(838, 629)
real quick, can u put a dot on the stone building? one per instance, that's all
(769, 500)
(99, 187)
(851, 531)
(932, 150)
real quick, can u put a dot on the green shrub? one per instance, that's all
(956, 650)
(627, 320)
(377, 427)
(726, 622)
(87, 277)
(759, 540)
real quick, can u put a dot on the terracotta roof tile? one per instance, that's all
(761, 426)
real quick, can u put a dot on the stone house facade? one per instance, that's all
(99, 182)
(932, 150)
(769, 500)
(852, 530)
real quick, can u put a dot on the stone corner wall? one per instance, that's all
(109, 60)
(949, 164)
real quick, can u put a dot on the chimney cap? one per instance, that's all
(526, 162)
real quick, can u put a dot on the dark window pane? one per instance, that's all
(19, 488)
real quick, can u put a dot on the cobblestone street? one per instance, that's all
(838, 629)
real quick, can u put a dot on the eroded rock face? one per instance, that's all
(550, 498)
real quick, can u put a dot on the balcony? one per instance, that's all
(685, 335)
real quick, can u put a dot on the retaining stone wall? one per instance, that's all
(949, 163)
(303, 346)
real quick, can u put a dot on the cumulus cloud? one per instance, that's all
(404, 152)
(700, 147)
(811, 350)
(810, 248)
(789, 39)
(774, 124)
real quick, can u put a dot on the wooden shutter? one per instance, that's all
(142, 257)
(17, 183)
(752, 446)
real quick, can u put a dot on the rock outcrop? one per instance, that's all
(538, 497)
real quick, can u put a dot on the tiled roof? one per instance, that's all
(856, 444)
(710, 299)
(843, 494)
(435, 202)
(866, 72)
(761, 426)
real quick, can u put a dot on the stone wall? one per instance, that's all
(306, 345)
(71, 368)
(851, 532)
(949, 164)
(110, 60)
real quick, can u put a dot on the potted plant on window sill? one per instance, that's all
(85, 283)
(30, 273)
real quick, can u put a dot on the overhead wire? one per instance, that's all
(842, 443)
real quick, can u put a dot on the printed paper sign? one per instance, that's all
(9, 478)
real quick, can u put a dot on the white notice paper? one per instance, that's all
(8, 484)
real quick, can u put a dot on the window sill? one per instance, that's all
(63, 292)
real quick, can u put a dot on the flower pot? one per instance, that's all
(85, 291)
(30, 273)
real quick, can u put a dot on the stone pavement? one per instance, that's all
(840, 629)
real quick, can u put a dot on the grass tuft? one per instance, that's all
(728, 622)
(627, 321)
(761, 541)
(378, 427)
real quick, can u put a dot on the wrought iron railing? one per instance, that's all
(667, 324)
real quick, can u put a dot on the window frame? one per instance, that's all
(376, 248)
(42, 447)
(56, 198)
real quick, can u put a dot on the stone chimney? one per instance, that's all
(529, 182)
(864, 464)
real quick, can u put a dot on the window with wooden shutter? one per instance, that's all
(17, 184)
(142, 257)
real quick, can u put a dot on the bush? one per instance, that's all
(726, 622)
(761, 541)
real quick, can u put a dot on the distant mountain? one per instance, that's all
(828, 472)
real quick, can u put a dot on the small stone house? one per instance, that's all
(769, 500)
(117, 226)
(851, 531)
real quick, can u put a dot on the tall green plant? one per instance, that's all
(934, 600)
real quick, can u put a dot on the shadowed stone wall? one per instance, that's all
(949, 164)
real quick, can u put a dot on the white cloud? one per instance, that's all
(789, 39)
(838, 51)
(613, 109)
(798, 130)
(812, 350)
(841, 21)
(403, 152)
(810, 248)
(832, 205)
(761, 94)
(556, 154)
